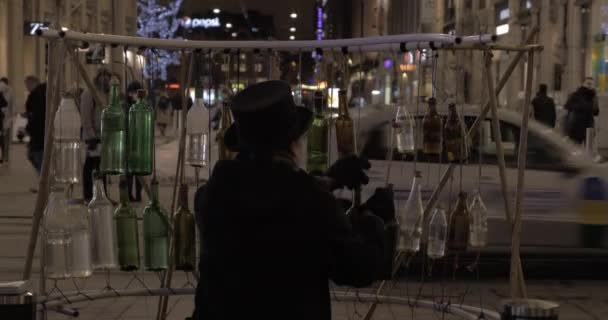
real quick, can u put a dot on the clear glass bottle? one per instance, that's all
(478, 230)
(80, 250)
(403, 131)
(438, 233)
(411, 218)
(57, 236)
(458, 237)
(127, 233)
(317, 137)
(156, 233)
(113, 122)
(141, 136)
(431, 130)
(454, 136)
(185, 234)
(66, 142)
(103, 228)
(197, 139)
(345, 133)
(226, 120)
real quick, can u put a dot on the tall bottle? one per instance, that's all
(454, 135)
(318, 137)
(403, 132)
(438, 233)
(185, 234)
(345, 133)
(411, 218)
(478, 229)
(113, 135)
(225, 122)
(431, 127)
(156, 233)
(126, 231)
(66, 142)
(57, 236)
(141, 136)
(459, 225)
(103, 228)
(197, 131)
(80, 251)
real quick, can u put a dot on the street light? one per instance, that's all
(228, 25)
(234, 34)
(216, 11)
(293, 15)
(292, 37)
(292, 29)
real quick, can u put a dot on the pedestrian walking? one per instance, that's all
(35, 109)
(582, 106)
(163, 113)
(6, 119)
(90, 113)
(268, 226)
(544, 107)
(131, 98)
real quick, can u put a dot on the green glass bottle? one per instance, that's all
(141, 136)
(113, 135)
(126, 231)
(185, 245)
(317, 137)
(156, 233)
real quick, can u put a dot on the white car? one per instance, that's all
(559, 176)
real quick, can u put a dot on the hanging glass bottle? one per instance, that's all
(411, 217)
(225, 122)
(438, 233)
(126, 231)
(156, 233)
(431, 127)
(197, 130)
(113, 122)
(67, 141)
(185, 234)
(141, 136)
(403, 131)
(454, 135)
(459, 225)
(479, 222)
(103, 229)
(317, 137)
(345, 133)
(57, 236)
(80, 250)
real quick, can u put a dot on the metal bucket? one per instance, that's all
(530, 309)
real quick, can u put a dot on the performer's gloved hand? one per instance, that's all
(381, 204)
(349, 172)
(92, 144)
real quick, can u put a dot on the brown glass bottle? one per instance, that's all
(458, 236)
(185, 234)
(453, 132)
(431, 130)
(345, 133)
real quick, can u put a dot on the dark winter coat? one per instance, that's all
(35, 109)
(581, 106)
(544, 109)
(271, 239)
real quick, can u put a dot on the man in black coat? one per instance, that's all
(544, 107)
(272, 235)
(582, 106)
(35, 109)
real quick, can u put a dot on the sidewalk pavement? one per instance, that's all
(580, 300)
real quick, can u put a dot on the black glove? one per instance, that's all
(382, 204)
(348, 172)
(92, 144)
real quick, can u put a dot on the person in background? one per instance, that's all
(131, 98)
(35, 111)
(176, 103)
(544, 107)
(90, 114)
(582, 106)
(6, 118)
(268, 226)
(163, 112)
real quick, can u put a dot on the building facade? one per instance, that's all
(22, 54)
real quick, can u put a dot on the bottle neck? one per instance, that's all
(124, 193)
(343, 105)
(114, 98)
(98, 190)
(226, 116)
(432, 109)
(154, 192)
(183, 196)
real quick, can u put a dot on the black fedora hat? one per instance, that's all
(266, 118)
